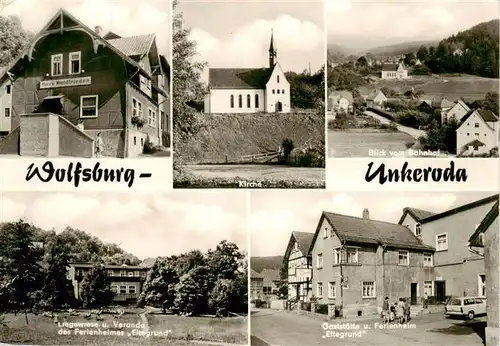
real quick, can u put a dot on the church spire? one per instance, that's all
(272, 51)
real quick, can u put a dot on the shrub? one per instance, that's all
(288, 146)
(322, 309)
(305, 306)
(148, 148)
(138, 121)
(409, 144)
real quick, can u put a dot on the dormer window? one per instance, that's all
(56, 65)
(418, 229)
(75, 62)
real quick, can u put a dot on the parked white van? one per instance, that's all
(465, 306)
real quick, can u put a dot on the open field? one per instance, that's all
(271, 176)
(229, 330)
(235, 135)
(43, 330)
(452, 87)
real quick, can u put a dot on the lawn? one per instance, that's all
(229, 330)
(450, 86)
(43, 330)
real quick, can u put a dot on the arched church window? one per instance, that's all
(256, 101)
(248, 101)
(232, 101)
(240, 101)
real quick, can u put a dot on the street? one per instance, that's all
(415, 133)
(275, 328)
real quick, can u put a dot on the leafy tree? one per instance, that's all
(283, 283)
(288, 146)
(13, 39)
(225, 260)
(220, 296)
(21, 264)
(187, 85)
(343, 77)
(423, 53)
(441, 137)
(491, 102)
(409, 59)
(191, 292)
(57, 289)
(159, 288)
(96, 288)
(361, 62)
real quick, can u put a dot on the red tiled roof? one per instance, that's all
(134, 45)
(239, 78)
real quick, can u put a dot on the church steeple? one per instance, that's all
(272, 51)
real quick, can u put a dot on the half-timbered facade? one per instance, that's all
(299, 266)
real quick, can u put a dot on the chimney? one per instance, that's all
(366, 214)
(98, 30)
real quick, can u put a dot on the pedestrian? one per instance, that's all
(386, 314)
(426, 297)
(400, 310)
(407, 310)
(99, 145)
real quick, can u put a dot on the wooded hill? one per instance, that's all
(269, 262)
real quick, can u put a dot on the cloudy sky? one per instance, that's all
(124, 17)
(364, 24)
(145, 225)
(237, 33)
(275, 215)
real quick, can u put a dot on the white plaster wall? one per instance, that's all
(282, 85)
(219, 101)
(5, 102)
(466, 132)
(457, 112)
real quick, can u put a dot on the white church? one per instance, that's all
(249, 90)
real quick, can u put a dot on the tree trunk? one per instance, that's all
(26, 315)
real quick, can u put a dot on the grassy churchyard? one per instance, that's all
(131, 327)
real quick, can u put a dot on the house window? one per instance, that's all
(331, 290)
(123, 289)
(110, 273)
(277, 79)
(278, 91)
(319, 289)
(346, 255)
(136, 108)
(143, 84)
(319, 260)
(79, 272)
(418, 229)
(428, 288)
(481, 281)
(282, 91)
(476, 124)
(248, 101)
(7, 112)
(130, 273)
(122, 273)
(114, 288)
(135, 140)
(136, 273)
(231, 101)
(403, 258)
(8, 89)
(428, 261)
(88, 106)
(152, 117)
(368, 289)
(442, 242)
(56, 63)
(256, 101)
(131, 289)
(352, 255)
(240, 101)
(325, 232)
(142, 142)
(273, 91)
(476, 134)
(75, 59)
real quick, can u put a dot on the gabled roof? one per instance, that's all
(486, 115)
(255, 275)
(475, 239)
(108, 266)
(463, 104)
(351, 229)
(461, 208)
(476, 143)
(389, 67)
(417, 214)
(239, 78)
(303, 240)
(134, 45)
(374, 94)
(338, 94)
(442, 103)
(425, 103)
(270, 275)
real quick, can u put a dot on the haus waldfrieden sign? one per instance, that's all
(67, 82)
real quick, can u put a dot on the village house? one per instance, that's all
(127, 282)
(340, 101)
(457, 271)
(249, 90)
(478, 133)
(299, 266)
(270, 282)
(256, 285)
(426, 107)
(394, 71)
(376, 98)
(73, 82)
(458, 52)
(484, 241)
(457, 112)
(358, 261)
(418, 62)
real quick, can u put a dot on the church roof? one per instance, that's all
(239, 78)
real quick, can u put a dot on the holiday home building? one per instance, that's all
(73, 82)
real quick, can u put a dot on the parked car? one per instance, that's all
(468, 307)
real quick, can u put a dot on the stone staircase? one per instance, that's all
(416, 310)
